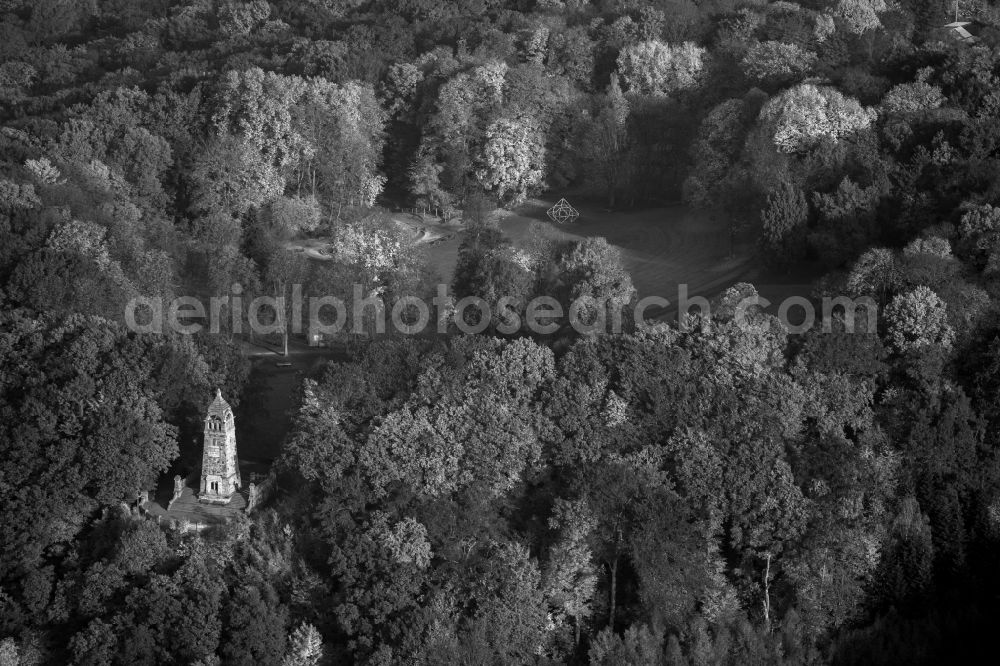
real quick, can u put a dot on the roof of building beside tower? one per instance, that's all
(964, 31)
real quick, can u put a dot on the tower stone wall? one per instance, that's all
(220, 469)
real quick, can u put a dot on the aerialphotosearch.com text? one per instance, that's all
(411, 315)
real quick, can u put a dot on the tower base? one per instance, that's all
(215, 499)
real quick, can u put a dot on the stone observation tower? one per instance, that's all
(220, 469)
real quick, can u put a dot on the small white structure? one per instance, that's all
(960, 31)
(562, 212)
(963, 31)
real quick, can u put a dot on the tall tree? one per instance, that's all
(512, 162)
(605, 142)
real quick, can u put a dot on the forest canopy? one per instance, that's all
(722, 492)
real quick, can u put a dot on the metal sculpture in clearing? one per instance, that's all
(562, 212)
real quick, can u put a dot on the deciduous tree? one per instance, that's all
(606, 143)
(801, 116)
(918, 319)
(655, 68)
(512, 161)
